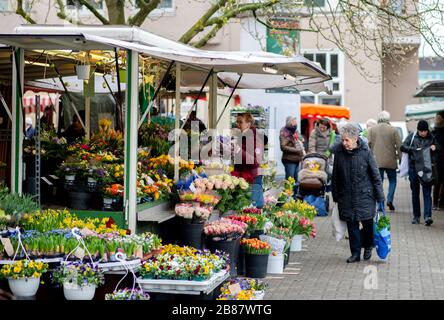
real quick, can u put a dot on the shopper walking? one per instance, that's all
(438, 188)
(385, 142)
(356, 187)
(414, 145)
(249, 148)
(321, 137)
(292, 148)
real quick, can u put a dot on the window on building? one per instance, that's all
(165, 4)
(309, 56)
(314, 3)
(307, 99)
(334, 65)
(334, 101)
(74, 4)
(4, 5)
(398, 6)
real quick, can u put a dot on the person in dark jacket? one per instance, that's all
(74, 131)
(248, 156)
(292, 148)
(413, 144)
(356, 187)
(438, 188)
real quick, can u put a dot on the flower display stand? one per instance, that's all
(119, 267)
(187, 287)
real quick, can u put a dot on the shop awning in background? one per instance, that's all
(431, 89)
(324, 110)
(423, 110)
(46, 99)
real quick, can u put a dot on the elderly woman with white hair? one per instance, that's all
(292, 147)
(356, 187)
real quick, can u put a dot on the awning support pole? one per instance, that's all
(69, 97)
(197, 98)
(142, 119)
(119, 115)
(5, 105)
(212, 111)
(17, 123)
(177, 123)
(229, 99)
(130, 135)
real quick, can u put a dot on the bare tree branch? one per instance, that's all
(142, 14)
(93, 10)
(21, 12)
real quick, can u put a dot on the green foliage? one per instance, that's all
(15, 205)
(384, 222)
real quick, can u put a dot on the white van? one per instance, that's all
(402, 128)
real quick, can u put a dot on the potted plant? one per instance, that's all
(301, 226)
(23, 276)
(111, 195)
(256, 257)
(128, 294)
(250, 289)
(72, 167)
(224, 235)
(79, 280)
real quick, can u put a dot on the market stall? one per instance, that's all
(109, 170)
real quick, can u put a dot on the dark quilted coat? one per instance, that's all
(356, 183)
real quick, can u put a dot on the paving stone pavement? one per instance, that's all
(413, 270)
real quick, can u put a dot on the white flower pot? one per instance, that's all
(139, 200)
(296, 243)
(70, 177)
(74, 292)
(275, 263)
(92, 182)
(83, 71)
(24, 287)
(108, 203)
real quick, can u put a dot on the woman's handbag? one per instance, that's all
(404, 168)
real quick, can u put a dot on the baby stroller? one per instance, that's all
(313, 182)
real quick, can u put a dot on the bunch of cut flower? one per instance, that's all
(184, 263)
(242, 289)
(225, 229)
(50, 219)
(197, 206)
(255, 246)
(301, 208)
(254, 221)
(128, 294)
(303, 226)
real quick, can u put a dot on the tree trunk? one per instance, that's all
(116, 11)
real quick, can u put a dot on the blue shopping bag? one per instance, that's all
(382, 238)
(318, 203)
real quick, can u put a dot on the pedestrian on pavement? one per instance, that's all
(320, 138)
(292, 148)
(369, 124)
(30, 130)
(438, 188)
(356, 187)
(385, 142)
(413, 144)
(251, 156)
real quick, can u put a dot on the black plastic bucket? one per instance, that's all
(286, 257)
(230, 247)
(191, 234)
(79, 200)
(256, 234)
(256, 265)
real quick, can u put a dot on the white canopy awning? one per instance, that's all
(304, 74)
